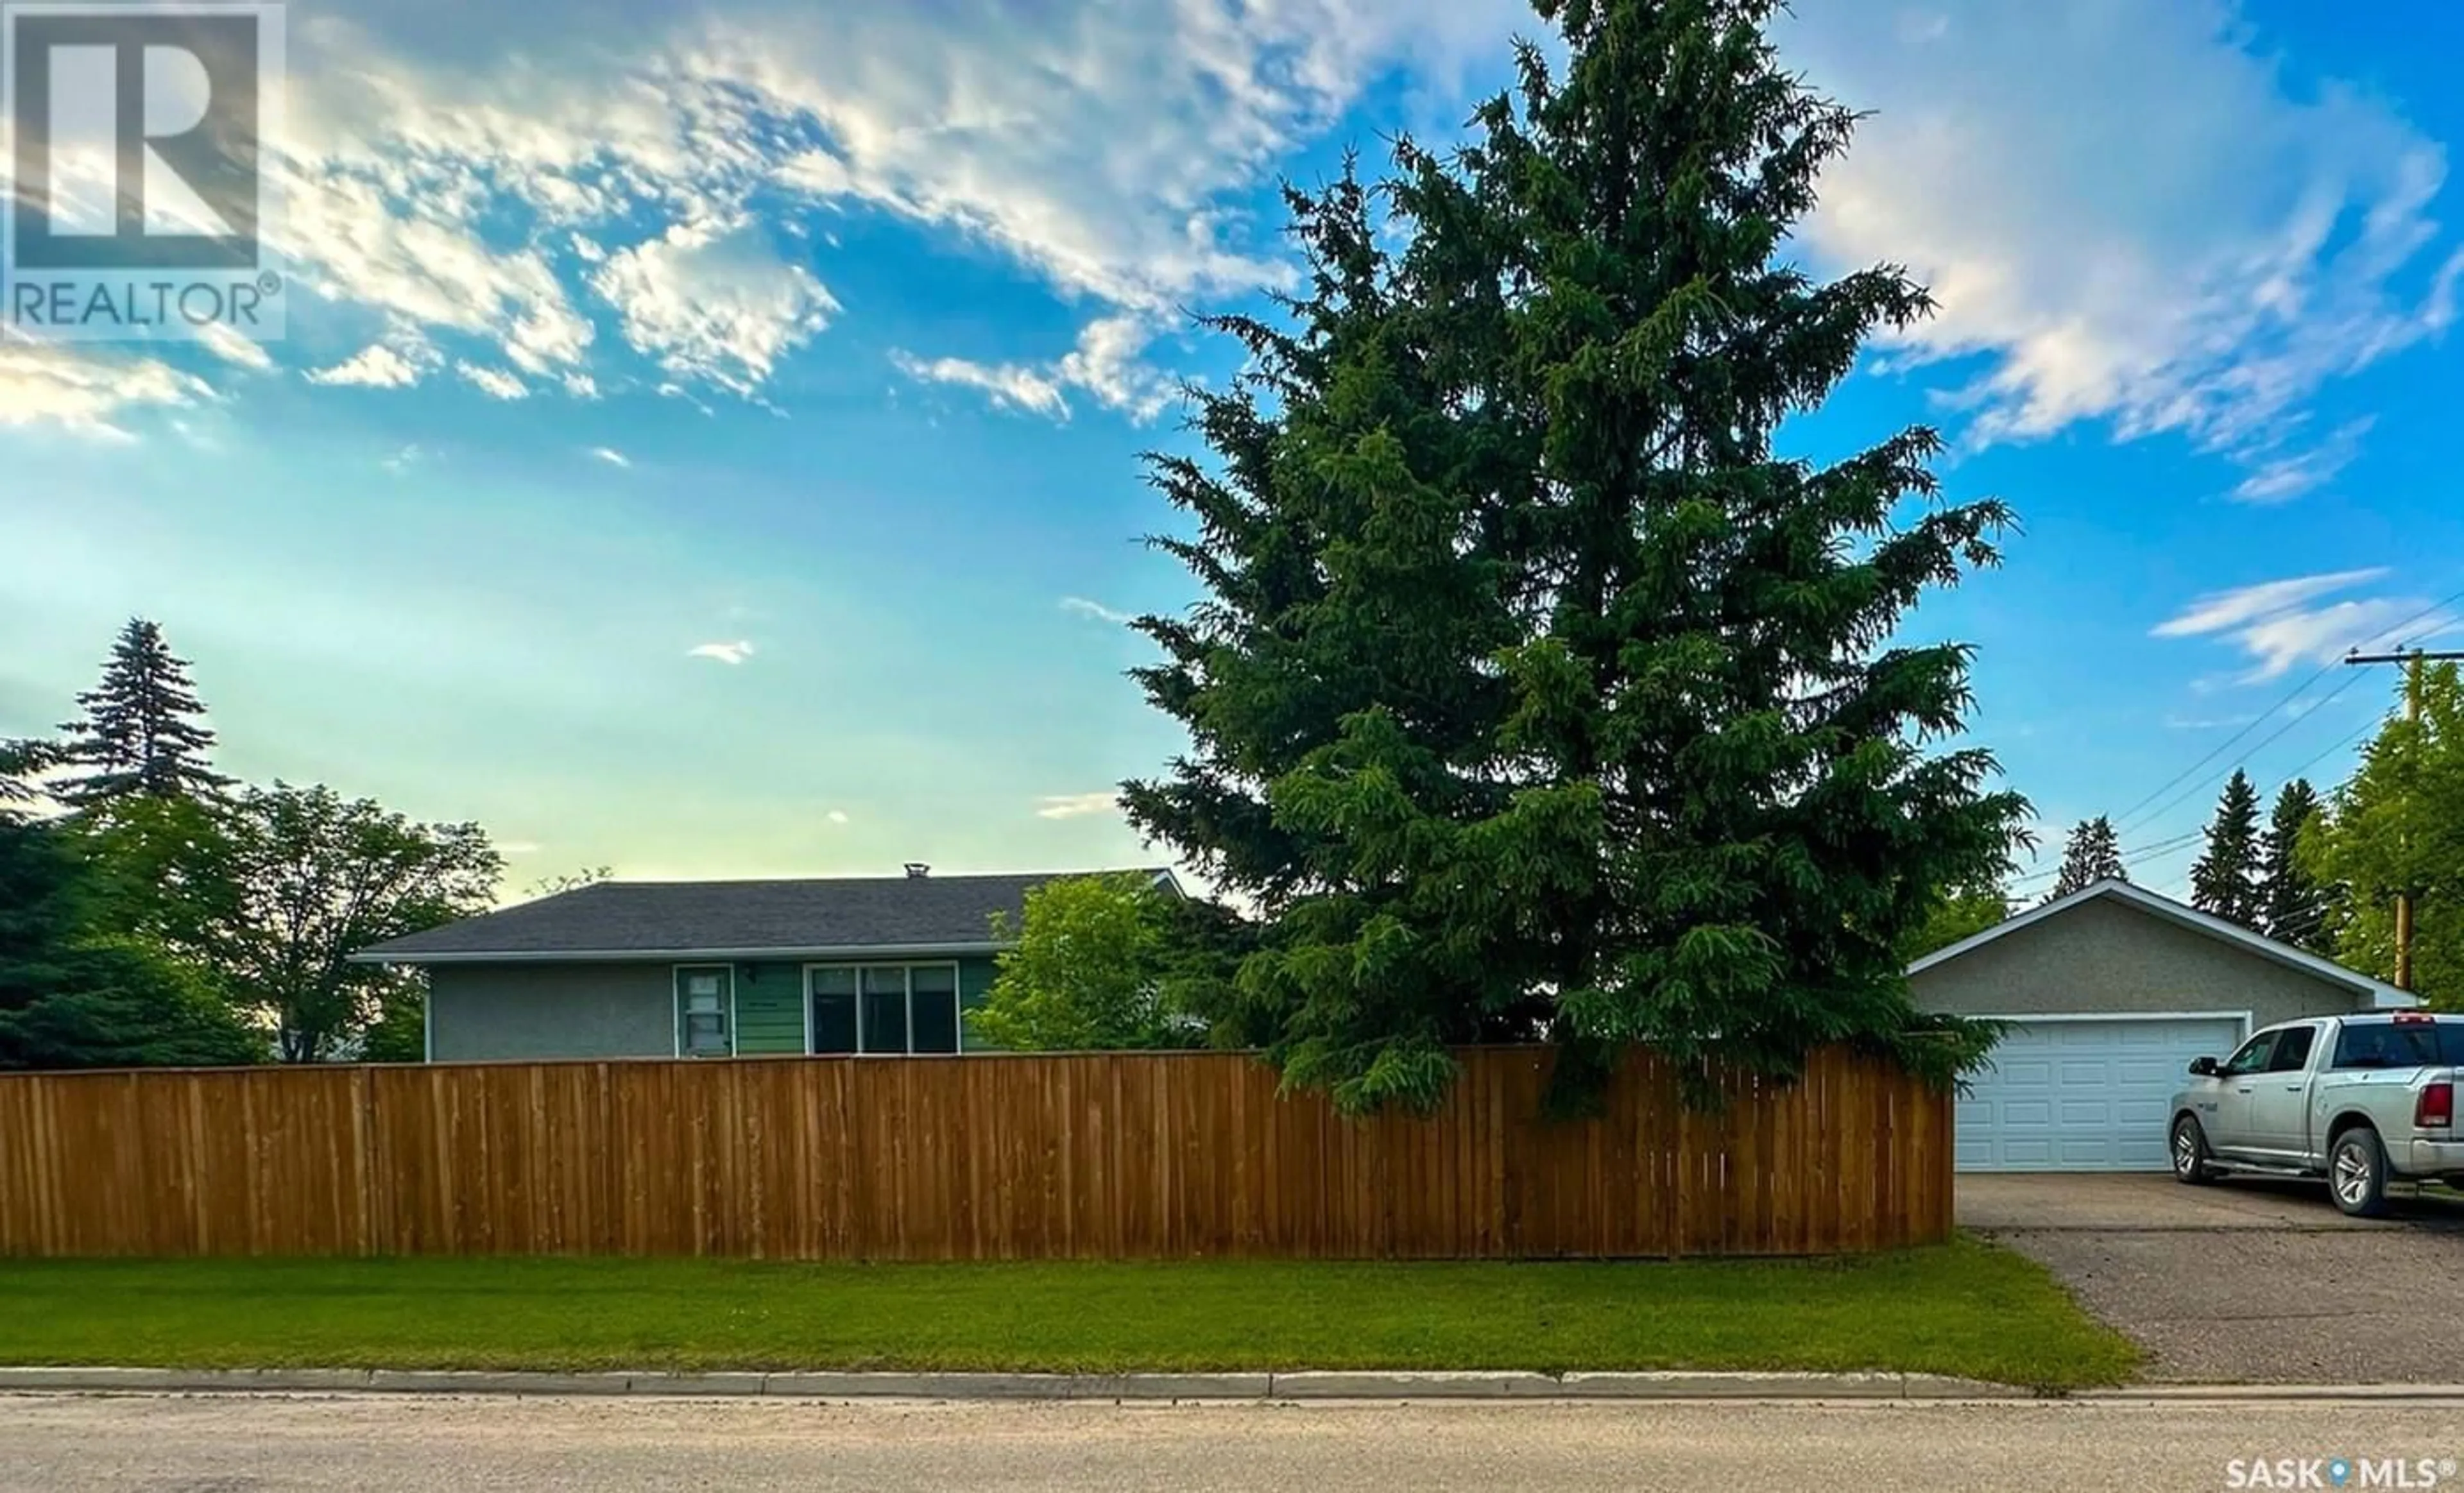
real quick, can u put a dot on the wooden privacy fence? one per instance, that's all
(980, 1157)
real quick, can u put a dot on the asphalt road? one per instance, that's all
(244, 1445)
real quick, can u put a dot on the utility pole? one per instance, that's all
(2415, 665)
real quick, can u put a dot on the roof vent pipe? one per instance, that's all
(917, 870)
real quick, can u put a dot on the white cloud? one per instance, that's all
(2288, 474)
(494, 383)
(1076, 805)
(1105, 364)
(2129, 216)
(715, 302)
(1008, 385)
(387, 366)
(1081, 607)
(471, 185)
(837, 816)
(2222, 611)
(405, 459)
(728, 653)
(2329, 632)
(1094, 141)
(232, 347)
(86, 392)
(364, 239)
(611, 456)
(467, 182)
(2283, 624)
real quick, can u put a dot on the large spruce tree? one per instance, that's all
(2292, 906)
(75, 990)
(141, 734)
(2225, 879)
(1535, 693)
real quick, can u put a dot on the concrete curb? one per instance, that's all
(2272, 1394)
(1303, 1385)
(1131, 1388)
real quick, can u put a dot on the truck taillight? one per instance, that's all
(2435, 1108)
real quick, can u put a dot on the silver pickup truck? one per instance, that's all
(2360, 1100)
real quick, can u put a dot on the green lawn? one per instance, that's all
(1966, 1308)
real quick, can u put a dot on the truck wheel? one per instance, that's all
(2190, 1154)
(2357, 1170)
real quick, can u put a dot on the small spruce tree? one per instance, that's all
(2092, 855)
(2225, 880)
(141, 735)
(2294, 907)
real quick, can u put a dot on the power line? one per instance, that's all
(2229, 742)
(2158, 847)
(2443, 624)
(2178, 843)
(2260, 719)
(2170, 848)
(2366, 728)
(2274, 737)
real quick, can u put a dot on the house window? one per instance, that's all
(887, 1009)
(705, 1011)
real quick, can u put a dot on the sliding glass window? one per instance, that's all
(889, 1009)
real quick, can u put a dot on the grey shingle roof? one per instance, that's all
(618, 918)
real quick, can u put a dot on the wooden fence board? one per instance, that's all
(1131, 1155)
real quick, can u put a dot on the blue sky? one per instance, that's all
(709, 444)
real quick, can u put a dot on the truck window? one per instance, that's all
(2293, 1049)
(2410, 1044)
(2251, 1058)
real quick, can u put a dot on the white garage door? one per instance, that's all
(2084, 1095)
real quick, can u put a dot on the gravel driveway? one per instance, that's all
(2253, 1282)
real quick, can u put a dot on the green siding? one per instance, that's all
(769, 1009)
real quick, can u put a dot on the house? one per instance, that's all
(2109, 993)
(871, 965)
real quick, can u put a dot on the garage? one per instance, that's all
(2107, 995)
(2085, 1093)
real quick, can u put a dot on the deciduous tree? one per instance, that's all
(2398, 828)
(1093, 965)
(300, 879)
(1957, 915)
